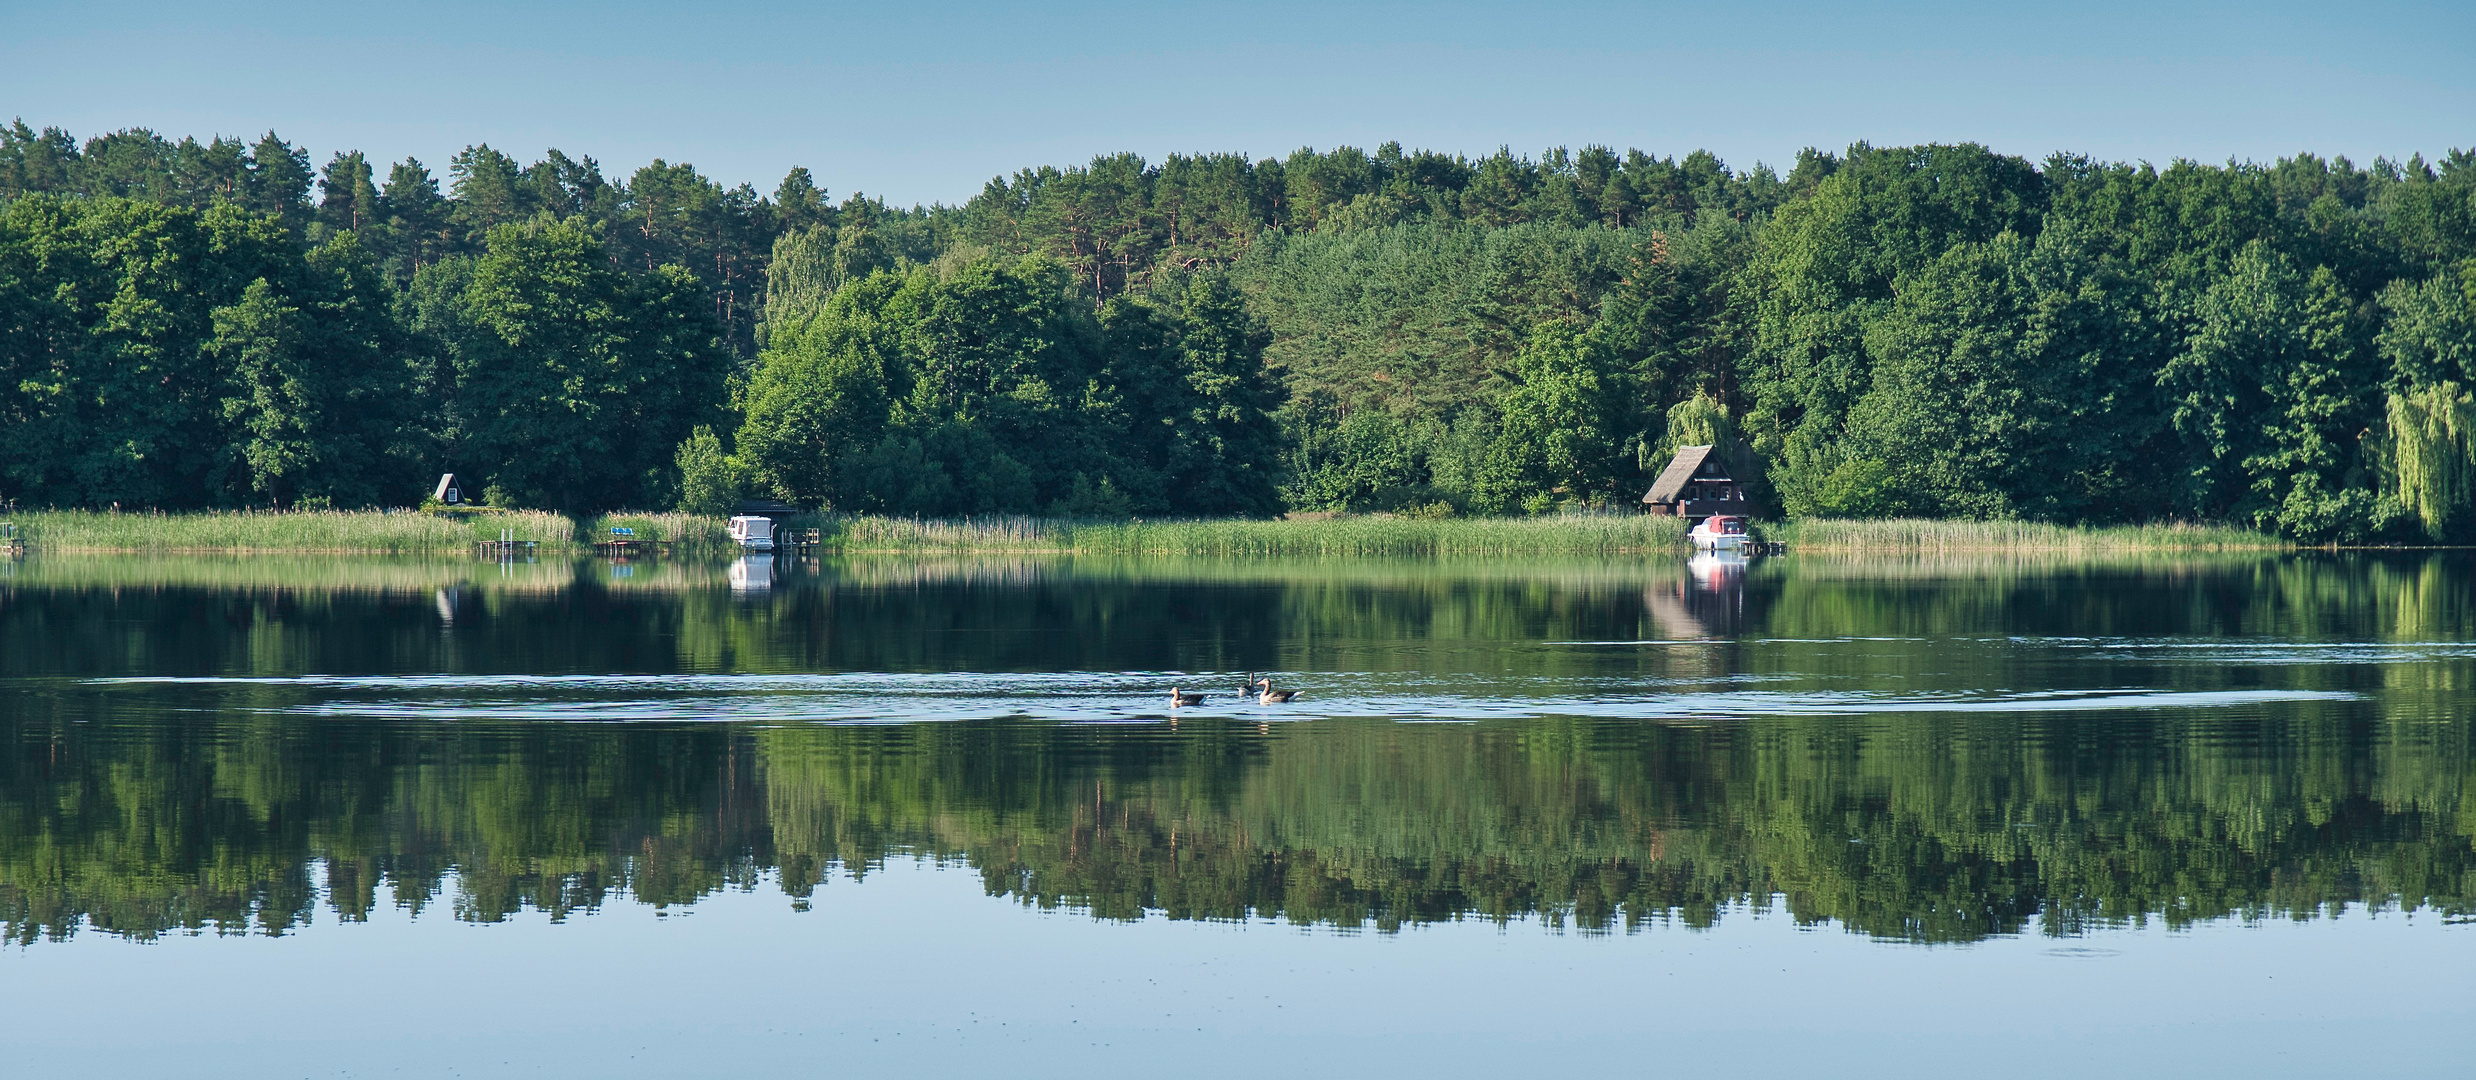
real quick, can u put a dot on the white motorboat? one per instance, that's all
(1720, 532)
(753, 533)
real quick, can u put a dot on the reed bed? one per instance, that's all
(1371, 535)
(686, 533)
(419, 574)
(1340, 536)
(871, 533)
(337, 531)
(1912, 535)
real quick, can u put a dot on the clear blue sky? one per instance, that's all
(924, 100)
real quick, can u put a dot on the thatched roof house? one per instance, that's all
(1697, 484)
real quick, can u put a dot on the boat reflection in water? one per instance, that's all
(1718, 571)
(752, 574)
(1708, 602)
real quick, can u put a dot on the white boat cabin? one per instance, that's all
(753, 533)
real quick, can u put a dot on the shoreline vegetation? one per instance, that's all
(336, 532)
(1342, 535)
(321, 576)
(1906, 535)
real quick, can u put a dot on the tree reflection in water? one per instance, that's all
(247, 807)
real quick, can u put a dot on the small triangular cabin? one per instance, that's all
(1697, 485)
(448, 490)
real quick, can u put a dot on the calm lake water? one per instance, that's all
(2209, 816)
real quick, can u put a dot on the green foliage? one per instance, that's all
(1566, 427)
(319, 397)
(1188, 362)
(1828, 266)
(2087, 343)
(710, 480)
(2271, 393)
(156, 356)
(810, 264)
(1855, 488)
(574, 382)
(1997, 390)
(2433, 433)
(2429, 342)
(1700, 420)
(1935, 330)
(995, 389)
(259, 340)
(1370, 460)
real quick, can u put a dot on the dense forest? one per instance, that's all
(1934, 331)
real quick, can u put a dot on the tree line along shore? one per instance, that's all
(1933, 333)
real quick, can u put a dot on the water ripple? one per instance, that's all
(1100, 697)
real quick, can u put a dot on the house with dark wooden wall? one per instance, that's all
(1697, 485)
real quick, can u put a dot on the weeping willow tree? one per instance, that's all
(1700, 420)
(809, 264)
(2433, 437)
(1703, 420)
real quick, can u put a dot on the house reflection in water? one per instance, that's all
(1707, 602)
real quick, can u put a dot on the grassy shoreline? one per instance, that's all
(336, 532)
(399, 533)
(1336, 536)
(1914, 535)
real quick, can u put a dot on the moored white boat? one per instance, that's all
(753, 533)
(1720, 532)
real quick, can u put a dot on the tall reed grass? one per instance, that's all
(1575, 534)
(1912, 535)
(417, 574)
(686, 533)
(273, 531)
(1347, 536)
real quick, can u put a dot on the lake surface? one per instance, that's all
(2206, 816)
